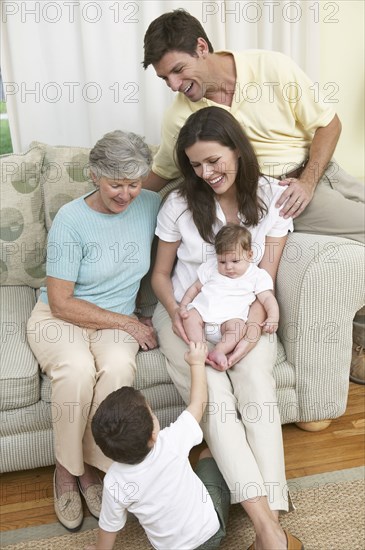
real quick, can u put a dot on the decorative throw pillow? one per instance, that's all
(22, 230)
(65, 176)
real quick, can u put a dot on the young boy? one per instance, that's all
(216, 306)
(152, 477)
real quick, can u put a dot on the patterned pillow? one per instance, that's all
(65, 176)
(22, 230)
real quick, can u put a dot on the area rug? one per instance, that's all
(329, 515)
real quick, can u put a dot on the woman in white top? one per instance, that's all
(242, 428)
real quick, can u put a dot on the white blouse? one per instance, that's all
(175, 223)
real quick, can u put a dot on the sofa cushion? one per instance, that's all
(22, 230)
(19, 373)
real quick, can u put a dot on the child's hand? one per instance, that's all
(197, 353)
(270, 325)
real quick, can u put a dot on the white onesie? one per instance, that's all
(222, 298)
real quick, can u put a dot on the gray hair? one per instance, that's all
(120, 155)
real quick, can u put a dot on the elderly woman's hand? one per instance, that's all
(143, 333)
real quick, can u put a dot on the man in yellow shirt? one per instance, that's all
(294, 132)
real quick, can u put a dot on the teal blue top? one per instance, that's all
(105, 255)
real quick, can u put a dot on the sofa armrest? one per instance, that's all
(319, 289)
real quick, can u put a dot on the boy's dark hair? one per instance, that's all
(123, 425)
(230, 237)
(176, 30)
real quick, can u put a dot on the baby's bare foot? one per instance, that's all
(219, 358)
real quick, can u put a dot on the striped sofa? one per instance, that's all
(320, 287)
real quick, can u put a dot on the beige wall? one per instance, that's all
(342, 62)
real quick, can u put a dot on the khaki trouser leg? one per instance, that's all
(337, 207)
(115, 361)
(236, 443)
(255, 390)
(84, 367)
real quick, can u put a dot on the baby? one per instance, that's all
(216, 306)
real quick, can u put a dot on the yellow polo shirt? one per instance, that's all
(275, 102)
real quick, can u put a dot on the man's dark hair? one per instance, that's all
(123, 425)
(173, 31)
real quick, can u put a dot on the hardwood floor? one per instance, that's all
(27, 497)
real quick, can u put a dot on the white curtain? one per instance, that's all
(72, 68)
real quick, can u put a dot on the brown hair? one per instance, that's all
(217, 124)
(230, 237)
(172, 31)
(123, 425)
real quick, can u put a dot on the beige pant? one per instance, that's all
(84, 366)
(242, 424)
(337, 207)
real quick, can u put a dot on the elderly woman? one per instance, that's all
(83, 330)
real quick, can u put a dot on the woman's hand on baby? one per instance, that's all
(143, 333)
(177, 323)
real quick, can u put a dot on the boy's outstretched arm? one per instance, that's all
(195, 357)
(105, 541)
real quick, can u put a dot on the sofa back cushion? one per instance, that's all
(22, 230)
(64, 177)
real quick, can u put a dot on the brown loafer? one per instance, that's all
(292, 542)
(68, 508)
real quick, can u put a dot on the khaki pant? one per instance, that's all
(242, 424)
(84, 366)
(337, 207)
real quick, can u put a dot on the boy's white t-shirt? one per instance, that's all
(163, 492)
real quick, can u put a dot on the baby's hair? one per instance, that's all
(230, 237)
